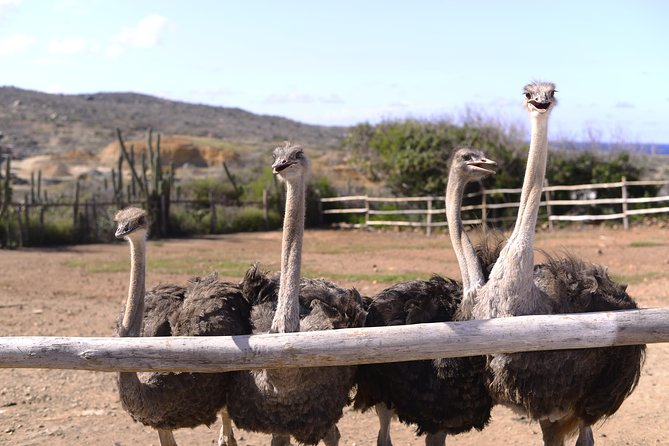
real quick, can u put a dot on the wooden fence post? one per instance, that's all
(163, 215)
(20, 226)
(366, 212)
(26, 218)
(484, 209)
(94, 218)
(548, 205)
(212, 212)
(429, 216)
(319, 210)
(623, 187)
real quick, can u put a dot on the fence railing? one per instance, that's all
(338, 347)
(89, 219)
(429, 212)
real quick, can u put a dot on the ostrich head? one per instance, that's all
(290, 162)
(539, 97)
(132, 222)
(471, 164)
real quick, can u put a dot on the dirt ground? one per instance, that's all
(78, 291)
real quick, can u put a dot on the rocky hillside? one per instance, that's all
(35, 123)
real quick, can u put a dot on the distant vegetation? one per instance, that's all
(231, 146)
(411, 156)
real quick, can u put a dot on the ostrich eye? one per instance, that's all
(141, 221)
(299, 155)
(552, 94)
(467, 157)
(528, 96)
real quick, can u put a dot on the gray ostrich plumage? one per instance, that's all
(440, 397)
(567, 391)
(305, 403)
(204, 307)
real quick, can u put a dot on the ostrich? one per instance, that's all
(206, 306)
(444, 396)
(307, 402)
(567, 391)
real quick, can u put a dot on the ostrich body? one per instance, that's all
(307, 402)
(440, 397)
(567, 390)
(206, 306)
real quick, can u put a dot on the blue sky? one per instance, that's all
(344, 62)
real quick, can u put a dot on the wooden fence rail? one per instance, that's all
(361, 205)
(339, 347)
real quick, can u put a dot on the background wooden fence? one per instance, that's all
(429, 212)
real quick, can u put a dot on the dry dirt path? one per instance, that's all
(79, 291)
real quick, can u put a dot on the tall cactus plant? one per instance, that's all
(154, 185)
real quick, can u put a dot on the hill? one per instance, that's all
(35, 123)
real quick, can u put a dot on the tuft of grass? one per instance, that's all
(645, 244)
(631, 279)
(188, 265)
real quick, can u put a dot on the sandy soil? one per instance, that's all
(79, 291)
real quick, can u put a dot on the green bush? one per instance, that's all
(188, 222)
(249, 219)
(412, 156)
(200, 189)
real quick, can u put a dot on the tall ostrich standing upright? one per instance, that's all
(565, 390)
(444, 396)
(206, 306)
(307, 402)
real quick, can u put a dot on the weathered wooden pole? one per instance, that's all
(623, 192)
(428, 223)
(339, 347)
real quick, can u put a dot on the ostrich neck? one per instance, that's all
(130, 387)
(131, 324)
(287, 316)
(510, 289)
(470, 268)
(535, 171)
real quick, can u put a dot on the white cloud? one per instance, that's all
(15, 44)
(145, 34)
(67, 46)
(50, 61)
(6, 7)
(623, 104)
(212, 92)
(54, 89)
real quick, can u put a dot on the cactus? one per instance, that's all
(156, 190)
(6, 188)
(75, 210)
(119, 182)
(124, 154)
(238, 192)
(32, 188)
(132, 191)
(39, 185)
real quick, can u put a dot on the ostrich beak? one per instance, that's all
(483, 164)
(123, 230)
(281, 165)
